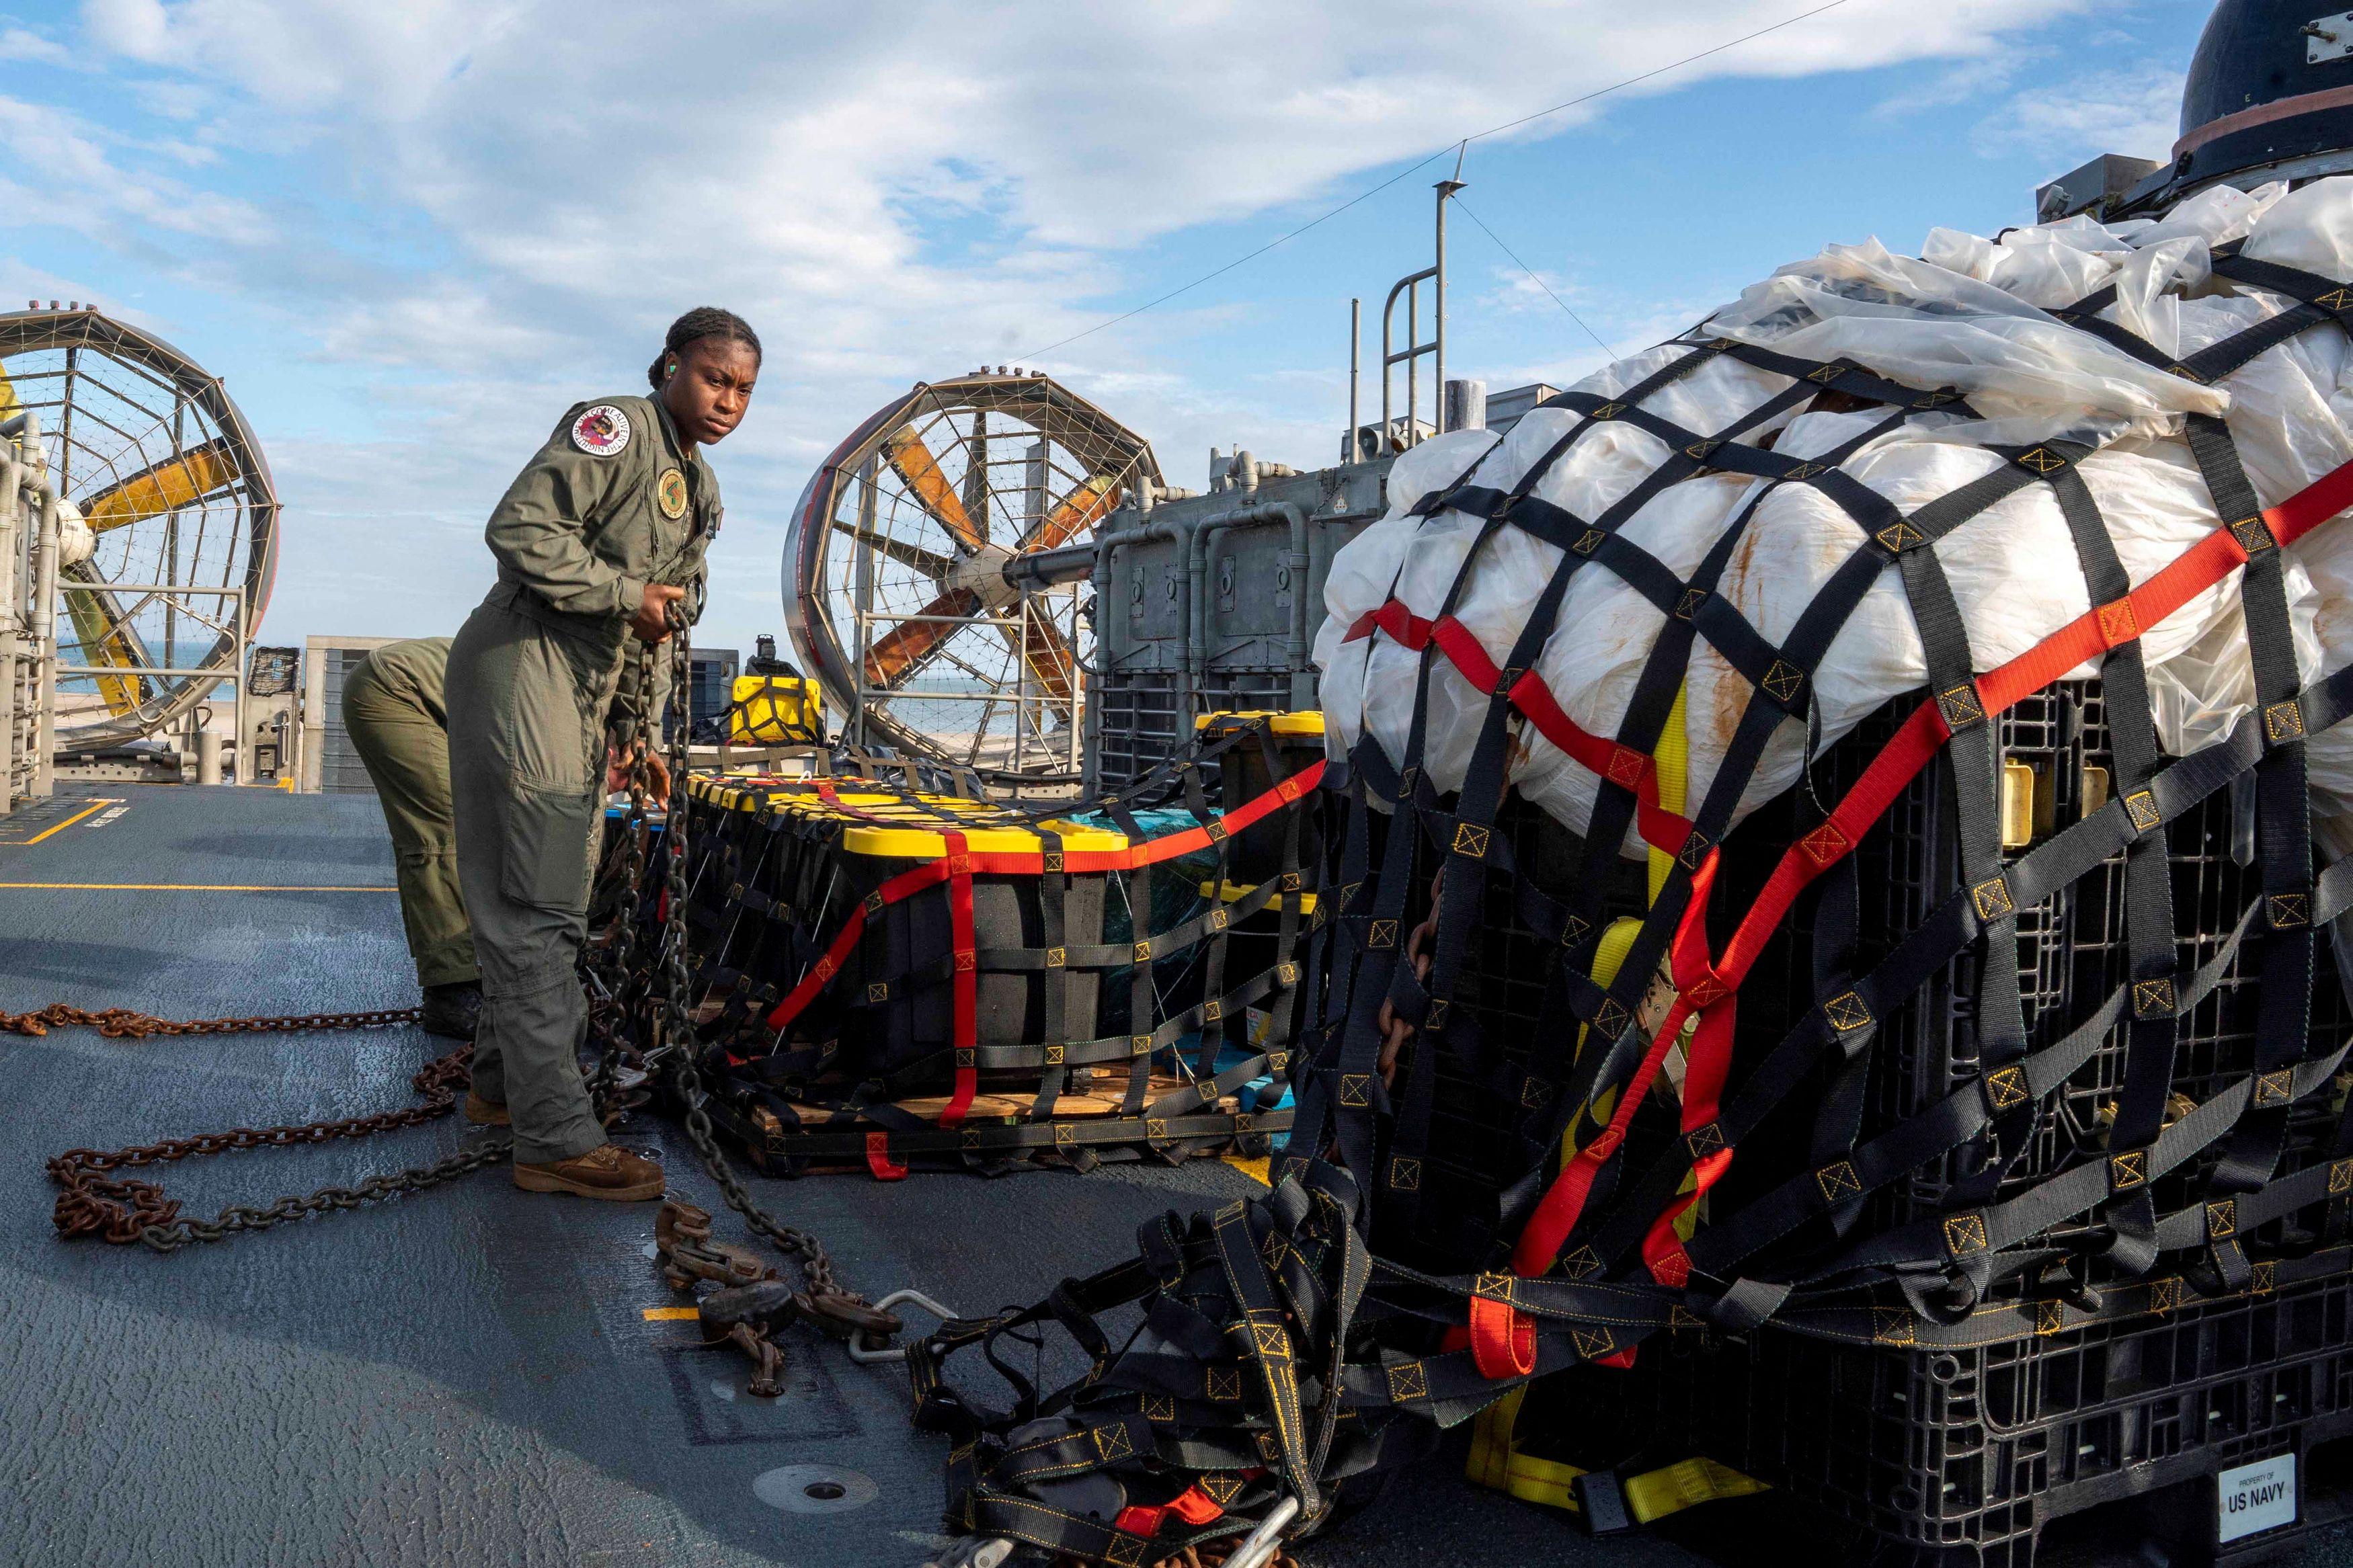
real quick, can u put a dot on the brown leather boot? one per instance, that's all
(485, 1112)
(605, 1172)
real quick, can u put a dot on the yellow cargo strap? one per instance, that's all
(911, 844)
(1650, 1496)
(1494, 1461)
(1234, 892)
(1675, 774)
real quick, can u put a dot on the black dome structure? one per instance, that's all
(2269, 97)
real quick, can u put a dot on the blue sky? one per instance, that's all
(409, 237)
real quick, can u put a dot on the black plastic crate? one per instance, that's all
(1471, 1154)
(2071, 956)
(810, 875)
(1962, 1458)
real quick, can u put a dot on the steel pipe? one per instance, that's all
(44, 617)
(13, 579)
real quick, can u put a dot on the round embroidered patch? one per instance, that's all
(670, 490)
(602, 431)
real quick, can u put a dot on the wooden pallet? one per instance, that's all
(1015, 1105)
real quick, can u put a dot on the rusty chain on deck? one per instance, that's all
(123, 1024)
(96, 1198)
(95, 1201)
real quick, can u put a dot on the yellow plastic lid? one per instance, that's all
(915, 843)
(1298, 722)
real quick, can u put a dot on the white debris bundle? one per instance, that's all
(1970, 313)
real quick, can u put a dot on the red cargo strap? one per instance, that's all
(1024, 863)
(1503, 1339)
(1192, 1505)
(1634, 770)
(967, 980)
(845, 942)
(2087, 637)
(878, 1161)
(1555, 1215)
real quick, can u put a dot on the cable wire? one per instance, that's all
(1457, 141)
(1532, 276)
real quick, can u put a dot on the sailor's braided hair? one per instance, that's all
(703, 321)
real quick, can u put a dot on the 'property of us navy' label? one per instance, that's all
(2257, 1496)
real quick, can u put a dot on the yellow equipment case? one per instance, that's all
(775, 711)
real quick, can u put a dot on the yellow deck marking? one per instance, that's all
(1254, 1169)
(192, 887)
(92, 810)
(671, 1314)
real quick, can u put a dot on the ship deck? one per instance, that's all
(468, 1374)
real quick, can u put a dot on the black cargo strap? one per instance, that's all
(1255, 1340)
(768, 881)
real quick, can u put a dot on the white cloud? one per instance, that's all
(829, 136)
(2136, 111)
(1964, 83)
(885, 191)
(22, 44)
(86, 189)
(21, 282)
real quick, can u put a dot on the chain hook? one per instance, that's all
(862, 1348)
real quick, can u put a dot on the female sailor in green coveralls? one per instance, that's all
(594, 539)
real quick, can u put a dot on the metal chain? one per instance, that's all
(125, 1209)
(828, 1297)
(123, 1023)
(618, 984)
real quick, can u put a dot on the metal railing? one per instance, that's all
(28, 579)
(1411, 356)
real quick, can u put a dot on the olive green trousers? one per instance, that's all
(527, 776)
(393, 710)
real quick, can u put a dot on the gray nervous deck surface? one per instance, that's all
(465, 1375)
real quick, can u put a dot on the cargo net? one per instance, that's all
(890, 977)
(1839, 808)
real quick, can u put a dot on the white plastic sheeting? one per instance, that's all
(1971, 313)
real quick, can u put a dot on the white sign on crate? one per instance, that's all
(2260, 1496)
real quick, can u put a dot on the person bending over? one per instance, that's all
(394, 713)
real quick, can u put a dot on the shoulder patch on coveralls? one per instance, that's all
(602, 431)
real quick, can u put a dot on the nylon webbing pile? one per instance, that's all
(1663, 1163)
(892, 978)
